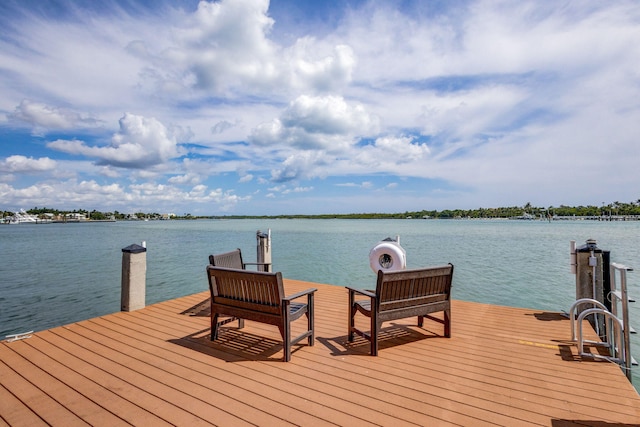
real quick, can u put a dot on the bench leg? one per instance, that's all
(420, 321)
(447, 323)
(375, 331)
(352, 314)
(240, 323)
(310, 325)
(286, 340)
(214, 326)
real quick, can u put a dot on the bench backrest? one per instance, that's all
(250, 290)
(231, 259)
(410, 288)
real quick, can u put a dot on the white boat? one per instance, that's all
(525, 216)
(23, 217)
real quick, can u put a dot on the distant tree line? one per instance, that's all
(616, 208)
(610, 209)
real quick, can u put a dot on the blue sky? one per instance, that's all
(309, 107)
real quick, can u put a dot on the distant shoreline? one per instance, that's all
(616, 211)
(613, 218)
(468, 218)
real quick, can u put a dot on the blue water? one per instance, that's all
(55, 274)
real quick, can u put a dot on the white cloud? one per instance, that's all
(72, 69)
(109, 172)
(297, 190)
(224, 48)
(394, 155)
(48, 117)
(327, 74)
(398, 150)
(283, 189)
(141, 142)
(223, 126)
(224, 44)
(71, 194)
(328, 115)
(188, 178)
(246, 178)
(461, 116)
(320, 123)
(391, 186)
(303, 165)
(167, 195)
(22, 164)
(364, 184)
(277, 188)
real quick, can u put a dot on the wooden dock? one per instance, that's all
(156, 366)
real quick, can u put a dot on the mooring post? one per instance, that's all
(593, 279)
(134, 277)
(264, 250)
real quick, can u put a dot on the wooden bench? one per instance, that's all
(233, 259)
(258, 296)
(402, 294)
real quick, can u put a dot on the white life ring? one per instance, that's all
(388, 256)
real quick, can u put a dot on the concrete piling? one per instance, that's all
(134, 277)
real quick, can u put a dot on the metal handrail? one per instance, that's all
(617, 355)
(573, 309)
(623, 298)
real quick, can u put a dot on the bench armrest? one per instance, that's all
(309, 291)
(361, 292)
(258, 264)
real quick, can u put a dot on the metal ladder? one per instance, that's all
(617, 329)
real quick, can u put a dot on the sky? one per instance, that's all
(251, 107)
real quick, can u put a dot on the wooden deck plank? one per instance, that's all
(34, 367)
(48, 356)
(535, 374)
(182, 371)
(496, 366)
(502, 366)
(259, 378)
(404, 374)
(175, 406)
(35, 400)
(570, 412)
(366, 403)
(533, 353)
(13, 411)
(347, 406)
(146, 328)
(464, 391)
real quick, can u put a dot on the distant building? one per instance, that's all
(76, 216)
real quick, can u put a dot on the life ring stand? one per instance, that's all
(388, 255)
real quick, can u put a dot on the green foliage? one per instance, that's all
(611, 209)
